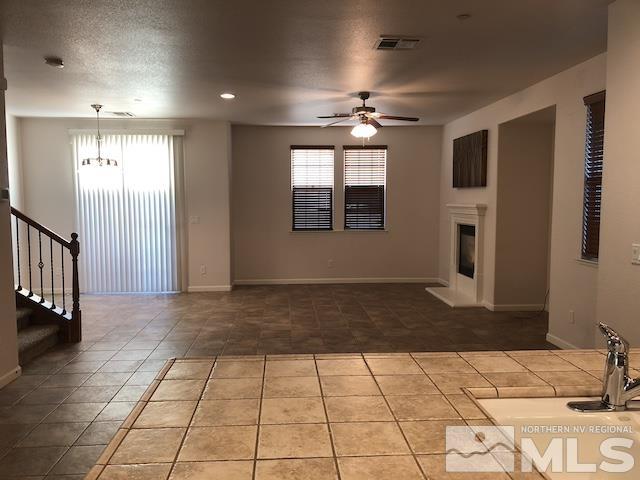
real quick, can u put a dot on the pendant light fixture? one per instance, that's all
(99, 161)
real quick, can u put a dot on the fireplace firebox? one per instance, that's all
(466, 250)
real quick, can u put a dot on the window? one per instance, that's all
(593, 163)
(312, 187)
(365, 172)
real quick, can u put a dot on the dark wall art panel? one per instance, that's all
(470, 160)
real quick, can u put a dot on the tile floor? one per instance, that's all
(324, 416)
(56, 419)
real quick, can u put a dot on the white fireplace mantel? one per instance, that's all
(462, 290)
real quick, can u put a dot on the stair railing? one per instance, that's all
(32, 237)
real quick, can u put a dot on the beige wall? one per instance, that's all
(618, 279)
(265, 249)
(14, 144)
(8, 327)
(525, 155)
(48, 186)
(573, 284)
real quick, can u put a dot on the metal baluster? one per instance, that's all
(29, 247)
(53, 298)
(19, 287)
(64, 303)
(41, 266)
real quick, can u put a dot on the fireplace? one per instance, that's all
(466, 250)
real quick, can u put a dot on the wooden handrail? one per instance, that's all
(41, 228)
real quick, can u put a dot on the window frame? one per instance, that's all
(345, 148)
(291, 188)
(587, 251)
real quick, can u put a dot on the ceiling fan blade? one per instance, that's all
(395, 117)
(336, 115)
(337, 121)
(372, 121)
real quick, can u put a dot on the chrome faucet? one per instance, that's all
(618, 388)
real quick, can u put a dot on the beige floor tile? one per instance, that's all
(166, 414)
(434, 467)
(239, 369)
(290, 368)
(348, 386)
(428, 437)
(291, 387)
(394, 366)
(447, 365)
(585, 361)
(156, 445)
(489, 364)
(189, 371)
(297, 469)
(422, 407)
(357, 409)
(178, 390)
(232, 388)
(576, 378)
(456, 382)
(546, 363)
(235, 470)
(368, 438)
(514, 379)
(294, 441)
(465, 407)
(346, 366)
(219, 443)
(151, 471)
(292, 410)
(75, 412)
(227, 412)
(379, 468)
(406, 385)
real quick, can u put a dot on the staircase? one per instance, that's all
(43, 261)
(34, 339)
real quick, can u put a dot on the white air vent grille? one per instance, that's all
(122, 114)
(396, 43)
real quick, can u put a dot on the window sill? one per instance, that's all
(589, 263)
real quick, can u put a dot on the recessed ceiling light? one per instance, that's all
(55, 62)
(463, 16)
(138, 100)
(227, 96)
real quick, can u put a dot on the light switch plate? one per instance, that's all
(194, 219)
(635, 254)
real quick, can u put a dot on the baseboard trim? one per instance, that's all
(10, 376)
(513, 308)
(558, 342)
(338, 280)
(209, 288)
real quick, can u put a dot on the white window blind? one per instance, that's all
(365, 173)
(312, 187)
(126, 214)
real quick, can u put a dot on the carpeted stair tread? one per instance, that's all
(35, 340)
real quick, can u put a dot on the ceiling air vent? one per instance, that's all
(122, 114)
(396, 43)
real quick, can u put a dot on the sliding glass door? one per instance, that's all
(126, 215)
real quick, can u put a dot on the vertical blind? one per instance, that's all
(593, 164)
(365, 173)
(312, 187)
(126, 214)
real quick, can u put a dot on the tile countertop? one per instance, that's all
(235, 416)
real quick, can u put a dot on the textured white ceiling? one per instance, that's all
(287, 60)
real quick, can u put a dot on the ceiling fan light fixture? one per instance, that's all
(364, 130)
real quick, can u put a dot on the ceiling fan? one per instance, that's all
(367, 117)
